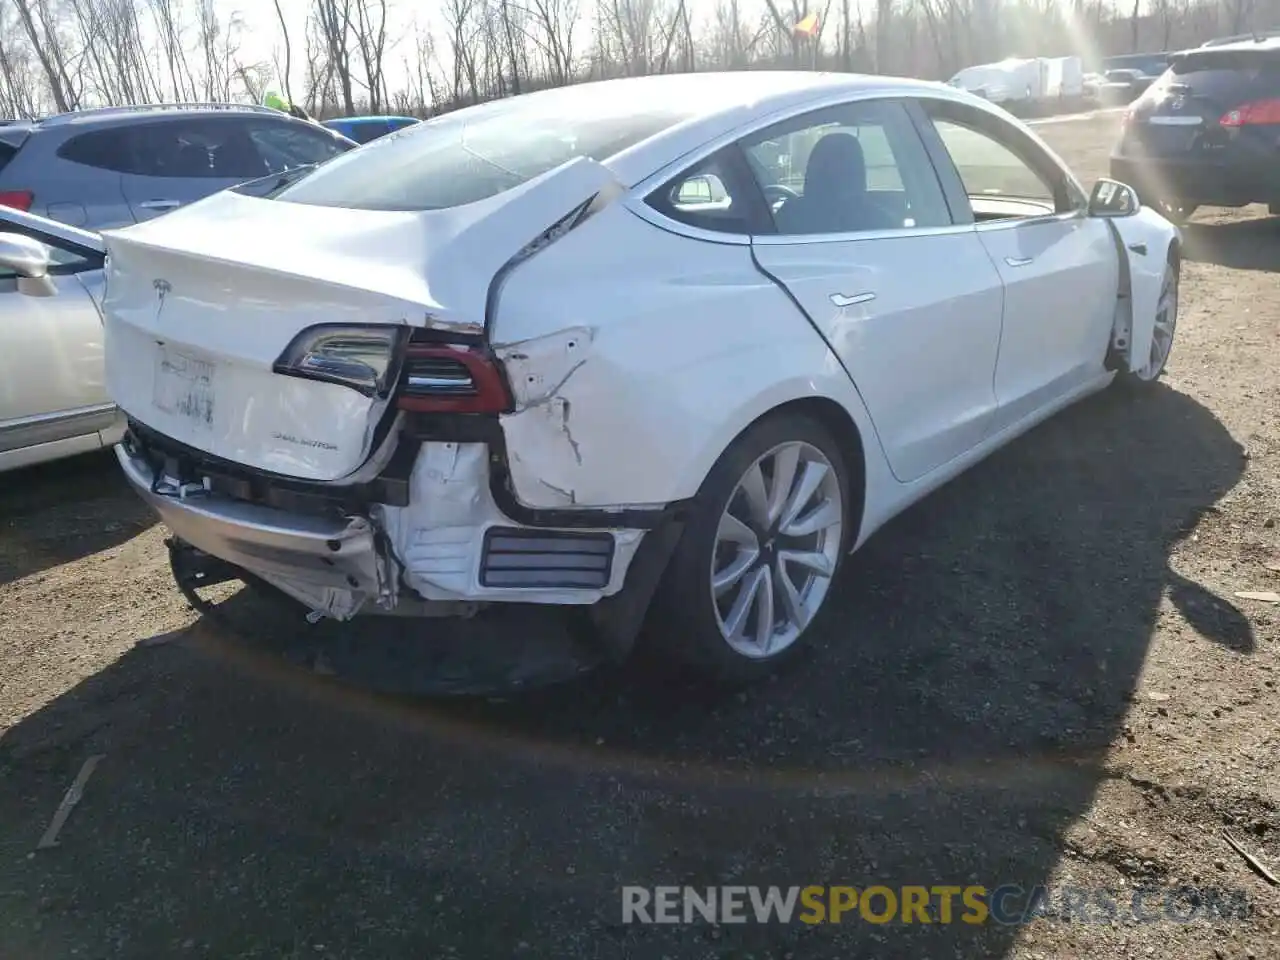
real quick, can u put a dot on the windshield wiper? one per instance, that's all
(266, 187)
(289, 176)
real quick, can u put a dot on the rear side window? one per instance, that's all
(6, 154)
(198, 148)
(471, 156)
(188, 148)
(709, 196)
(104, 149)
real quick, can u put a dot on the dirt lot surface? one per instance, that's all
(1040, 675)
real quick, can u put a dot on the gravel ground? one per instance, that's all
(1040, 675)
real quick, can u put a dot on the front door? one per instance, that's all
(907, 299)
(52, 382)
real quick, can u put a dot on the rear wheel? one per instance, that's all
(757, 559)
(1162, 334)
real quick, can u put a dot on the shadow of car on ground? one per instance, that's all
(978, 657)
(105, 513)
(1236, 244)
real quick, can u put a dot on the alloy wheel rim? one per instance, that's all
(1165, 326)
(776, 548)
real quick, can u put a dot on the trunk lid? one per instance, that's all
(1179, 117)
(201, 303)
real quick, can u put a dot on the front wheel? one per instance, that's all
(758, 557)
(1166, 325)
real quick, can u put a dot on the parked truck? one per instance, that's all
(1026, 84)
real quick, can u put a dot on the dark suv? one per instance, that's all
(97, 169)
(1207, 131)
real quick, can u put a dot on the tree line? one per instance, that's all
(60, 55)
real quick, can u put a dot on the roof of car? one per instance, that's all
(144, 111)
(1267, 43)
(714, 91)
(368, 119)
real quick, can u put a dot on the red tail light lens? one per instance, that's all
(1252, 114)
(449, 378)
(18, 199)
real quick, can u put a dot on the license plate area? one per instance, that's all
(185, 386)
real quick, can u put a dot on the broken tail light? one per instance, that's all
(360, 357)
(451, 378)
(17, 199)
(1254, 113)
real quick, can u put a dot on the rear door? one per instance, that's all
(79, 182)
(905, 295)
(51, 353)
(178, 160)
(1059, 266)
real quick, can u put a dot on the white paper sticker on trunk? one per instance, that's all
(184, 387)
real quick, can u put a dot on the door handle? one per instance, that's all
(160, 204)
(1018, 261)
(840, 300)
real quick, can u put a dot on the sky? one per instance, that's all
(261, 36)
(262, 31)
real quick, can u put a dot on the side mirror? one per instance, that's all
(1110, 198)
(24, 256)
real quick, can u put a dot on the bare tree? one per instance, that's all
(287, 72)
(371, 40)
(37, 21)
(334, 20)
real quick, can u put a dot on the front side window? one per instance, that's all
(1002, 177)
(480, 152)
(856, 168)
(64, 258)
(284, 146)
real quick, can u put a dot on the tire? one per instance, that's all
(692, 627)
(1164, 333)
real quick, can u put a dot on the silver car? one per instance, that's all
(116, 166)
(53, 399)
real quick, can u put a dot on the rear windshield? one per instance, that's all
(1219, 74)
(476, 153)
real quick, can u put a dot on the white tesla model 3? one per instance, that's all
(666, 347)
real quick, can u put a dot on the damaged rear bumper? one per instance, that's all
(426, 536)
(335, 561)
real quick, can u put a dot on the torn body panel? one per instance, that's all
(444, 544)
(1147, 239)
(635, 356)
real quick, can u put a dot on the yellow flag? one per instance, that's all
(808, 26)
